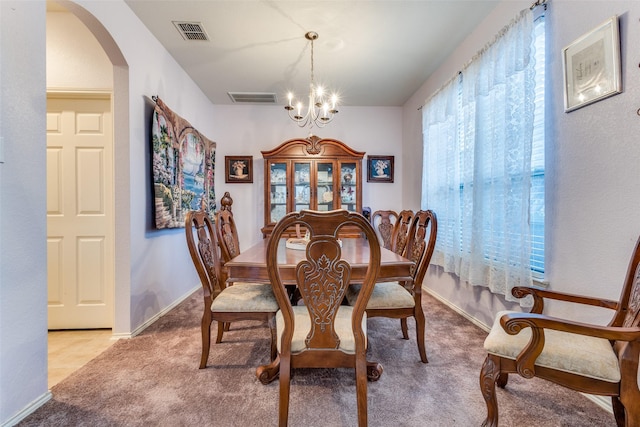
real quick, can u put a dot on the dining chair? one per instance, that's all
(589, 358)
(322, 333)
(228, 239)
(242, 301)
(401, 300)
(383, 222)
(401, 231)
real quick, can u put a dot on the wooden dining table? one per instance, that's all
(251, 266)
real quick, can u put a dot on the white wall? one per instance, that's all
(593, 191)
(592, 154)
(23, 281)
(75, 59)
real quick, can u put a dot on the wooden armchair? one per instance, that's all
(401, 231)
(243, 301)
(600, 360)
(384, 222)
(322, 333)
(403, 300)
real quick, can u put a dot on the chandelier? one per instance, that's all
(321, 107)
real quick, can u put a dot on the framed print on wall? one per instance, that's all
(379, 168)
(238, 169)
(591, 66)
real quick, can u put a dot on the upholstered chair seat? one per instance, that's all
(564, 351)
(302, 321)
(386, 295)
(245, 297)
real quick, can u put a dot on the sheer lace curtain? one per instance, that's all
(477, 133)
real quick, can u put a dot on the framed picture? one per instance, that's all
(592, 66)
(379, 168)
(238, 169)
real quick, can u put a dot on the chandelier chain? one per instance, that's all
(312, 80)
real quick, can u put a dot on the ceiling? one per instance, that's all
(373, 52)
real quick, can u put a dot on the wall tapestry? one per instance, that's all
(183, 168)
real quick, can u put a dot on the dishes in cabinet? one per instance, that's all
(279, 195)
(325, 194)
(323, 176)
(302, 194)
(278, 212)
(302, 175)
(348, 176)
(278, 175)
(347, 195)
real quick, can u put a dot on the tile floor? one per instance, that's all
(69, 350)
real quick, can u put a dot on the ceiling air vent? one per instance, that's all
(253, 97)
(191, 30)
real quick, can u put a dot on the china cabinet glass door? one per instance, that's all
(278, 190)
(348, 186)
(302, 186)
(324, 186)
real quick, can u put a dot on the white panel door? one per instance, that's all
(80, 212)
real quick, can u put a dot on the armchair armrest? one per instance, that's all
(513, 323)
(539, 294)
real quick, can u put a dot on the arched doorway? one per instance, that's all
(121, 212)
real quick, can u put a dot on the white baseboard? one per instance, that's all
(602, 401)
(28, 410)
(158, 315)
(458, 310)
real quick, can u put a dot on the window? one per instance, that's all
(484, 162)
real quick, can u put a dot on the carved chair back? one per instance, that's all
(383, 222)
(323, 277)
(204, 252)
(419, 247)
(628, 313)
(401, 231)
(226, 229)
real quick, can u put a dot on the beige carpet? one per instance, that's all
(154, 380)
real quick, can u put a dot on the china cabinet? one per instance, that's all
(312, 173)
